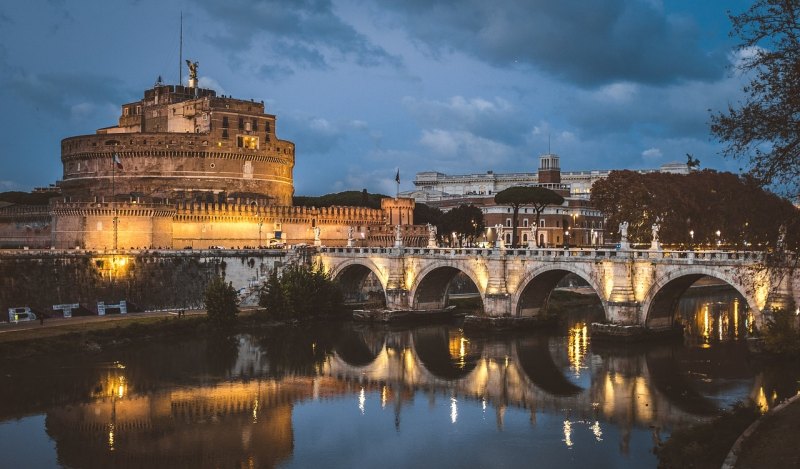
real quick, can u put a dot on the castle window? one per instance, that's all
(508, 222)
(138, 110)
(241, 123)
(267, 127)
(525, 223)
(224, 133)
(246, 141)
(224, 122)
(125, 111)
(255, 125)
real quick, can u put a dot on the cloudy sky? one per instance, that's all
(364, 87)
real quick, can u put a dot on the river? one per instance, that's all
(346, 395)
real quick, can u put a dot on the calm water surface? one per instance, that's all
(356, 396)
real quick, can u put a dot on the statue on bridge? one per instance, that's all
(398, 237)
(501, 242)
(623, 231)
(350, 240)
(432, 236)
(317, 240)
(655, 245)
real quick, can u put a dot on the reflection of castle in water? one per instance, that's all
(130, 423)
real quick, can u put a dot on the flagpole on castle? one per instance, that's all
(397, 180)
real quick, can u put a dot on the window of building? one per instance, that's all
(126, 111)
(224, 122)
(138, 110)
(525, 222)
(557, 223)
(241, 123)
(267, 127)
(541, 224)
(524, 237)
(508, 222)
(224, 133)
(255, 125)
(247, 141)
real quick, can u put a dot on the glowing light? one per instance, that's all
(453, 410)
(577, 347)
(597, 431)
(567, 433)
(121, 391)
(111, 437)
(362, 399)
(255, 411)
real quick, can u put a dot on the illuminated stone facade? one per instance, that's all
(185, 168)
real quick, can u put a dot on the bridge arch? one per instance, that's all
(351, 275)
(534, 289)
(431, 285)
(661, 301)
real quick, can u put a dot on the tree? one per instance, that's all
(536, 197)
(424, 213)
(301, 292)
(701, 202)
(765, 128)
(466, 221)
(222, 302)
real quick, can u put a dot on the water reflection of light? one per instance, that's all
(577, 347)
(568, 433)
(384, 394)
(761, 400)
(483, 404)
(453, 410)
(736, 317)
(362, 399)
(597, 431)
(111, 437)
(458, 346)
(255, 411)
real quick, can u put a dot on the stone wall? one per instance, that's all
(147, 280)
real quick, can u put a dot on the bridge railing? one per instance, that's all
(551, 253)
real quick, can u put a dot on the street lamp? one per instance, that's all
(566, 239)
(719, 241)
(691, 236)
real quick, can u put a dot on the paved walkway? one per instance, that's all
(773, 442)
(6, 327)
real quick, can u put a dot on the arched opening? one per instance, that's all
(446, 352)
(556, 291)
(710, 309)
(361, 287)
(445, 286)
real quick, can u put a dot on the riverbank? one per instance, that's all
(93, 334)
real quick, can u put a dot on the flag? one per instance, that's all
(397, 176)
(117, 161)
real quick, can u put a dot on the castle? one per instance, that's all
(187, 168)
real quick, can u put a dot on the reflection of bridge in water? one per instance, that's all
(135, 420)
(533, 372)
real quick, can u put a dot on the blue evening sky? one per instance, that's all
(364, 87)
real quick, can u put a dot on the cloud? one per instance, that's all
(59, 94)
(293, 35)
(651, 154)
(464, 147)
(495, 119)
(586, 43)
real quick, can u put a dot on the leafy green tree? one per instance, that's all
(700, 202)
(424, 214)
(466, 221)
(765, 127)
(301, 292)
(221, 302)
(536, 197)
(343, 199)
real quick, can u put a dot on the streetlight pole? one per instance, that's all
(566, 239)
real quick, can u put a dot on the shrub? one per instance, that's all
(301, 292)
(222, 302)
(781, 335)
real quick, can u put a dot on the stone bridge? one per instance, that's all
(636, 287)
